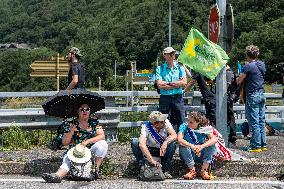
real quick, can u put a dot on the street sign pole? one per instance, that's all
(133, 68)
(57, 58)
(221, 84)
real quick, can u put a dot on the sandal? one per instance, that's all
(206, 176)
(190, 175)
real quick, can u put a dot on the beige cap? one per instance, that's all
(168, 50)
(157, 116)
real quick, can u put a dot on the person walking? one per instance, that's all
(254, 74)
(76, 74)
(171, 79)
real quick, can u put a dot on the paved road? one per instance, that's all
(23, 182)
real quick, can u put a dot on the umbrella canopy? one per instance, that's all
(66, 103)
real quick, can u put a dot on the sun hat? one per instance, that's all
(168, 50)
(157, 116)
(79, 154)
(75, 51)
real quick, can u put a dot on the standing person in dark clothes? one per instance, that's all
(76, 74)
(209, 98)
(254, 74)
(232, 94)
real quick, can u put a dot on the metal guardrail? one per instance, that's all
(34, 118)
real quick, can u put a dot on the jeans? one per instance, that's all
(174, 106)
(165, 160)
(255, 114)
(190, 157)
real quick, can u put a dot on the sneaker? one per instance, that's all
(263, 148)
(51, 178)
(250, 149)
(168, 175)
(98, 174)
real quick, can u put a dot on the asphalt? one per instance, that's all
(120, 162)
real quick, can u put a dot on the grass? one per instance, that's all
(16, 138)
(23, 102)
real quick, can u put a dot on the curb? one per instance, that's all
(221, 169)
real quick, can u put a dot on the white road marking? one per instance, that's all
(227, 181)
(167, 181)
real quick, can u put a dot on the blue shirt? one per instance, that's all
(255, 72)
(200, 137)
(169, 75)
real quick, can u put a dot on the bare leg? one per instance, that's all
(98, 162)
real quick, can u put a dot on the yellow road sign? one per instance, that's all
(145, 71)
(36, 65)
(57, 67)
(48, 74)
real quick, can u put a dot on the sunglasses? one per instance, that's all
(84, 109)
(160, 122)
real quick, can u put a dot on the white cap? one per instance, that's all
(168, 50)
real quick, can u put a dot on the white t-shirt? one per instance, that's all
(150, 141)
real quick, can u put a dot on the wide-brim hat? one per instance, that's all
(79, 154)
(157, 116)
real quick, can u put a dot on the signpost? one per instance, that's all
(57, 67)
(214, 24)
(221, 84)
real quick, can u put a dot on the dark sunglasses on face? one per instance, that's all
(84, 109)
(160, 122)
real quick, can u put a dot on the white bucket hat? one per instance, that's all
(79, 154)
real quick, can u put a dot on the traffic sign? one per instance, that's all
(49, 65)
(48, 74)
(214, 24)
(145, 71)
(56, 67)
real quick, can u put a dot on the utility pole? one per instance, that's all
(115, 70)
(170, 23)
(221, 83)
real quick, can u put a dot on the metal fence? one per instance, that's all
(118, 114)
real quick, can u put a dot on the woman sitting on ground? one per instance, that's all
(88, 133)
(196, 146)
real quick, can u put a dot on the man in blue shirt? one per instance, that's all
(171, 79)
(253, 74)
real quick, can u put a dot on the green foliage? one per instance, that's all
(125, 134)
(110, 30)
(15, 138)
(107, 167)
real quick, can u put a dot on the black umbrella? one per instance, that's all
(66, 103)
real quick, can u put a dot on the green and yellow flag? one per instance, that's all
(202, 55)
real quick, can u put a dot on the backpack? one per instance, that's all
(148, 172)
(81, 171)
